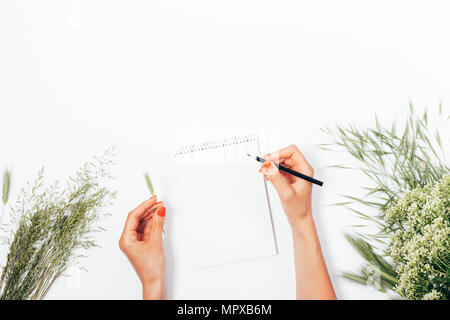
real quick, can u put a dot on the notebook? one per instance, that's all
(225, 201)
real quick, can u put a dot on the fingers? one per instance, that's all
(132, 222)
(291, 157)
(157, 224)
(150, 212)
(284, 153)
(274, 176)
(149, 222)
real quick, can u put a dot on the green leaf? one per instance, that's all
(355, 277)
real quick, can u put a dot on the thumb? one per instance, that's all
(274, 176)
(158, 224)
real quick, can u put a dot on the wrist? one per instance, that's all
(304, 230)
(305, 236)
(301, 224)
(153, 289)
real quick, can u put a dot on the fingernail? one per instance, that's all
(161, 211)
(267, 164)
(267, 155)
(158, 203)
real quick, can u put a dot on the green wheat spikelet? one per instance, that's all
(6, 186)
(149, 184)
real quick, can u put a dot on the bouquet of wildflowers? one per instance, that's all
(409, 202)
(420, 244)
(52, 227)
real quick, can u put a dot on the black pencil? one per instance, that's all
(287, 170)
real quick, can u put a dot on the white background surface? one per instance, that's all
(79, 76)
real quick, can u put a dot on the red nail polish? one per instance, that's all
(267, 164)
(161, 211)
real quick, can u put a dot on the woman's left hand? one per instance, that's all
(141, 241)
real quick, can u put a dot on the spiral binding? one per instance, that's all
(209, 145)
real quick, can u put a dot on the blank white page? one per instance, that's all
(226, 203)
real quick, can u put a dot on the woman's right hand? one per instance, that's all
(312, 279)
(294, 193)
